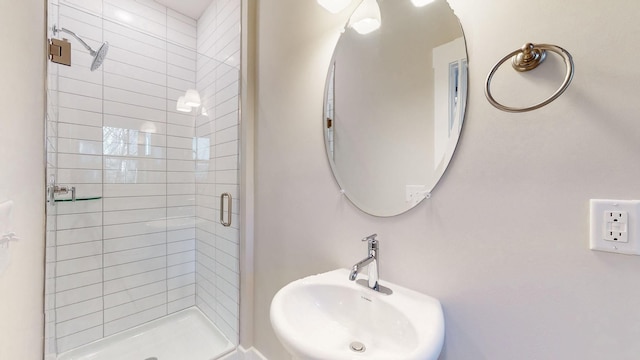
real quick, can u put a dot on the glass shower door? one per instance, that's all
(136, 175)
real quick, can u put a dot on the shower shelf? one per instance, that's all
(79, 199)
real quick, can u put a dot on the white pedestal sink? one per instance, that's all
(326, 316)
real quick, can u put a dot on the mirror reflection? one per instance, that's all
(394, 105)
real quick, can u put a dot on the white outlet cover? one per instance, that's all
(597, 241)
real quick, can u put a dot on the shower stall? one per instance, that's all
(142, 245)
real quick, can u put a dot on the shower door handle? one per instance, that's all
(226, 196)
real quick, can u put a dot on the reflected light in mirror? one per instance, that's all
(334, 6)
(366, 18)
(182, 106)
(192, 98)
(421, 3)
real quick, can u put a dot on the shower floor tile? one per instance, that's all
(187, 334)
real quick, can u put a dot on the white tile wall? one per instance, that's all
(152, 244)
(217, 269)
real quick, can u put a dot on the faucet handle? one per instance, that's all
(371, 239)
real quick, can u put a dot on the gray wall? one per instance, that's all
(503, 243)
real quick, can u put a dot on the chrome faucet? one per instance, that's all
(371, 260)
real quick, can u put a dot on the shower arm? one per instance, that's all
(57, 29)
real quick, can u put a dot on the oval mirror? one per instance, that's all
(394, 105)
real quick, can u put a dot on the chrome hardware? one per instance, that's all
(53, 190)
(528, 58)
(229, 199)
(371, 261)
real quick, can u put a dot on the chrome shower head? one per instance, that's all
(98, 56)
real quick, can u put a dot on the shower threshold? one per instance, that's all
(187, 334)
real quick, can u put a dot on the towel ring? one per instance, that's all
(528, 58)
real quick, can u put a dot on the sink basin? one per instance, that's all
(326, 316)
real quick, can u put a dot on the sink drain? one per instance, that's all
(151, 358)
(357, 346)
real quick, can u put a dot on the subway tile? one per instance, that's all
(132, 242)
(181, 246)
(181, 281)
(227, 135)
(179, 59)
(79, 87)
(133, 294)
(179, 85)
(132, 216)
(81, 250)
(181, 165)
(79, 161)
(130, 56)
(226, 163)
(74, 131)
(119, 190)
(134, 177)
(134, 281)
(116, 231)
(226, 107)
(133, 307)
(181, 73)
(181, 292)
(79, 146)
(186, 131)
(135, 72)
(150, 22)
(77, 295)
(181, 304)
(134, 320)
(79, 102)
(133, 111)
(124, 270)
(180, 154)
(73, 236)
(133, 255)
(73, 221)
(134, 164)
(93, 6)
(181, 258)
(131, 39)
(80, 117)
(182, 23)
(80, 338)
(64, 313)
(78, 265)
(77, 280)
(134, 202)
(181, 39)
(79, 207)
(181, 235)
(181, 269)
(127, 83)
(132, 97)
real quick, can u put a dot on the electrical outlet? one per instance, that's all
(614, 226)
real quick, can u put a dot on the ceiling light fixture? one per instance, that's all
(334, 6)
(366, 18)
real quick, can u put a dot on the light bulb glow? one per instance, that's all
(366, 18)
(334, 6)
(182, 106)
(421, 3)
(192, 98)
